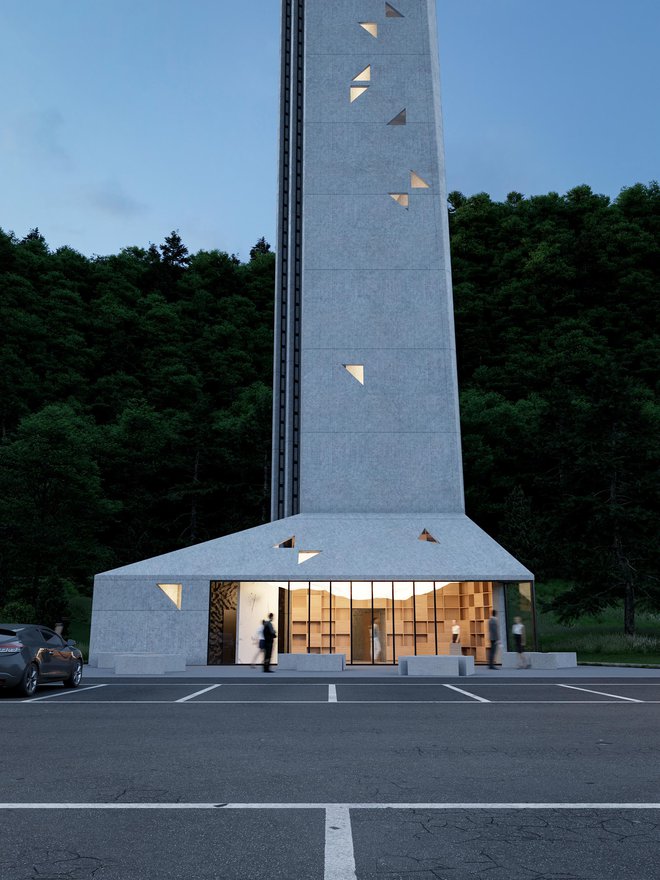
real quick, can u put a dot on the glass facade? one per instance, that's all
(377, 622)
(371, 622)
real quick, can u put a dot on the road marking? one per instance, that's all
(600, 693)
(618, 701)
(339, 856)
(467, 694)
(113, 805)
(63, 692)
(197, 693)
(332, 693)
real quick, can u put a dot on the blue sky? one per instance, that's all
(124, 119)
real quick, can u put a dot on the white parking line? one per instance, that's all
(514, 805)
(62, 693)
(600, 693)
(197, 693)
(332, 693)
(339, 856)
(467, 694)
(475, 701)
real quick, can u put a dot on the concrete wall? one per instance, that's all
(376, 279)
(131, 614)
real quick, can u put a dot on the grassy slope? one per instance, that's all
(599, 638)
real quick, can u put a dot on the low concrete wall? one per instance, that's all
(430, 665)
(312, 662)
(539, 660)
(142, 663)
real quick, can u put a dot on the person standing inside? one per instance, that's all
(518, 631)
(269, 640)
(494, 636)
(455, 632)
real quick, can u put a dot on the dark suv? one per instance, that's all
(30, 655)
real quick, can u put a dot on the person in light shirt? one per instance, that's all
(455, 632)
(518, 632)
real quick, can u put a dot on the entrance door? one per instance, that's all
(223, 604)
(361, 635)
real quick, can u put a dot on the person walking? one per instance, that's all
(518, 631)
(259, 642)
(494, 636)
(269, 640)
(455, 632)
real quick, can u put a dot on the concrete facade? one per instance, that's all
(363, 461)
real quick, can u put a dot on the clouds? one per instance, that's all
(111, 198)
(38, 135)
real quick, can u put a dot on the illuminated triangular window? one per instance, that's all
(364, 75)
(173, 593)
(356, 91)
(370, 27)
(356, 371)
(399, 119)
(417, 182)
(427, 536)
(288, 544)
(391, 12)
(402, 199)
(304, 555)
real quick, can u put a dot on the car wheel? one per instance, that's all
(74, 677)
(29, 682)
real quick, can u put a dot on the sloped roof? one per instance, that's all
(350, 546)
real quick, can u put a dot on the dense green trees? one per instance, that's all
(135, 397)
(558, 333)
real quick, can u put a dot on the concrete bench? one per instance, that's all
(142, 663)
(312, 662)
(539, 660)
(431, 665)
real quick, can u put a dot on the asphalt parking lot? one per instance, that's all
(300, 779)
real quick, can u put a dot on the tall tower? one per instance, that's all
(366, 400)
(369, 552)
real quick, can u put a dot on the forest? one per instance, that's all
(135, 398)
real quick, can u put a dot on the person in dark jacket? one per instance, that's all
(269, 640)
(494, 636)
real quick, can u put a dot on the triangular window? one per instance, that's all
(356, 371)
(427, 536)
(173, 593)
(289, 544)
(417, 182)
(391, 12)
(356, 91)
(370, 27)
(304, 555)
(399, 119)
(363, 75)
(402, 199)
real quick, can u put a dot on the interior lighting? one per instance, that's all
(402, 199)
(357, 91)
(370, 27)
(416, 182)
(356, 371)
(364, 75)
(427, 536)
(173, 593)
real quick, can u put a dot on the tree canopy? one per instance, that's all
(135, 396)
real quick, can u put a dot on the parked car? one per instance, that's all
(31, 655)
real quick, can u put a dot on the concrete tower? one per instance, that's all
(367, 476)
